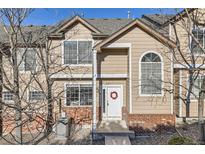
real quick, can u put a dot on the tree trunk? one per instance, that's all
(49, 122)
(17, 101)
(188, 109)
(201, 111)
(200, 116)
(188, 101)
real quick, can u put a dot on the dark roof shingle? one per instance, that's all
(106, 26)
(158, 19)
(109, 26)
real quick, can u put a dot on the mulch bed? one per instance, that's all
(162, 137)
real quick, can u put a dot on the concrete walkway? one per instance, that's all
(117, 140)
(113, 126)
(115, 132)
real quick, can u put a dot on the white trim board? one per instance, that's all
(63, 75)
(129, 47)
(118, 45)
(186, 66)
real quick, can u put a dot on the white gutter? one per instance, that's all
(180, 93)
(94, 77)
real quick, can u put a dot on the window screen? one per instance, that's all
(197, 86)
(151, 74)
(84, 51)
(77, 52)
(36, 95)
(70, 52)
(26, 59)
(198, 35)
(7, 96)
(78, 95)
(30, 60)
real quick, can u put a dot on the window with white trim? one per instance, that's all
(197, 86)
(199, 35)
(7, 96)
(26, 59)
(79, 95)
(77, 52)
(151, 74)
(36, 95)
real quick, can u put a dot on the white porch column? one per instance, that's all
(94, 76)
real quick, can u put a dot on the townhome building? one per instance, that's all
(111, 70)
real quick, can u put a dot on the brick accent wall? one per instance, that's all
(81, 115)
(36, 124)
(150, 122)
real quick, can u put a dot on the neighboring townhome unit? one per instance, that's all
(110, 69)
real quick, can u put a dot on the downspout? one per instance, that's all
(94, 76)
(130, 80)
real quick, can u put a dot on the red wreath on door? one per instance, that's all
(114, 95)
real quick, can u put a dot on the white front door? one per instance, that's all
(113, 98)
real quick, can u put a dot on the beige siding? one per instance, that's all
(194, 102)
(113, 61)
(75, 32)
(78, 31)
(142, 42)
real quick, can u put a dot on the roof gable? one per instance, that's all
(63, 26)
(110, 25)
(144, 27)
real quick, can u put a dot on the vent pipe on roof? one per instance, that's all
(128, 14)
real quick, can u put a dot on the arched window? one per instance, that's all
(151, 74)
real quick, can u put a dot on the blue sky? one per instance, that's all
(52, 16)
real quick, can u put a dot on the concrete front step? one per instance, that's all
(114, 128)
(117, 140)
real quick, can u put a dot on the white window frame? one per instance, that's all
(162, 75)
(192, 98)
(74, 83)
(77, 65)
(28, 96)
(190, 41)
(7, 101)
(28, 71)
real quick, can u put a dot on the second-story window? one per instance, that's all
(27, 59)
(151, 74)
(36, 95)
(77, 52)
(198, 35)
